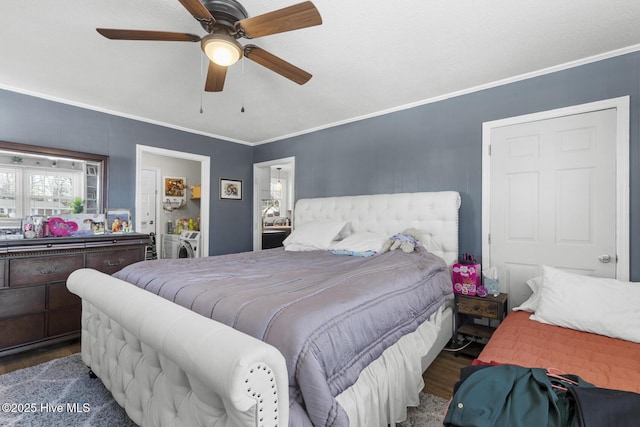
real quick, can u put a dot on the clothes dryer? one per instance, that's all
(189, 244)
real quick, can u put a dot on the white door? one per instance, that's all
(148, 201)
(553, 198)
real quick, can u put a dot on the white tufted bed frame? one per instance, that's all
(167, 365)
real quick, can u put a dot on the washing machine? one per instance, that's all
(170, 246)
(189, 244)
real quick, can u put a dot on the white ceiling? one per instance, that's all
(368, 58)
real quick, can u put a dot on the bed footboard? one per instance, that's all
(167, 365)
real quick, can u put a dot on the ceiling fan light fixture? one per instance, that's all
(222, 49)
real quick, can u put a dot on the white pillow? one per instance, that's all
(432, 245)
(317, 234)
(532, 303)
(293, 247)
(603, 306)
(362, 241)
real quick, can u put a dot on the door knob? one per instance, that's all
(604, 258)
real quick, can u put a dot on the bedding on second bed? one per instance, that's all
(329, 315)
(601, 360)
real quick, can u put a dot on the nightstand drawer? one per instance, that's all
(478, 307)
(490, 307)
(476, 318)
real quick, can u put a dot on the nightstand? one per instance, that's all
(468, 308)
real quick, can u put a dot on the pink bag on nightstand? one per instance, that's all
(466, 275)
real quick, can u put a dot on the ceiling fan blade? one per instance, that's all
(215, 77)
(290, 18)
(197, 9)
(276, 64)
(115, 34)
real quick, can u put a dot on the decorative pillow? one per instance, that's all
(353, 253)
(603, 306)
(532, 303)
(363, 241)
(317, 235)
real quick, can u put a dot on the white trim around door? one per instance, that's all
(258, 184)
(205, 179)
(621, 105)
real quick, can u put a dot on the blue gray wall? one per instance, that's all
(28, 120)
(428, 148)
(438, 146)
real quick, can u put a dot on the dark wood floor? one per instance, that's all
(439, 378)
(443, 373)
(34, 357)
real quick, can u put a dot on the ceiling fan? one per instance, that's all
(225, 21)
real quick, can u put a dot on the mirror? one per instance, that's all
(43, 181)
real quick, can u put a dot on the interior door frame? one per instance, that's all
(157, 183)
(621, 105)
(205, 179)
(257, 206)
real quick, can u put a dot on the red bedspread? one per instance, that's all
(603, 361)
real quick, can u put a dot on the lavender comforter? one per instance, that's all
(329, 315)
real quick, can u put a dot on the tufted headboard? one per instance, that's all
(434, 214)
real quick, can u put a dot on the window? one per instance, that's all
(51, 192)
(7, 193)
(39, 181)
(27, 191)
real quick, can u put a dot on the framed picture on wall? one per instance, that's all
(175, 188)
(118, 221)
(230, 189)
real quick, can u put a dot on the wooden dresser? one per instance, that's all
(36, 309)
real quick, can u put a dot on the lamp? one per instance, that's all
(222, 49)
(278, 184)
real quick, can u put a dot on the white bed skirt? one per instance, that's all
(392, 382)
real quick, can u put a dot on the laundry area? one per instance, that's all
(182, 237)
(172, 185)
(183, 245)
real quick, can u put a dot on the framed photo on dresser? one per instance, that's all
(118, 221)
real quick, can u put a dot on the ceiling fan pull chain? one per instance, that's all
(242, 78)
(201, 79)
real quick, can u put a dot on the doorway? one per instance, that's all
(272, 202)
(148, 200)
(555, 192)
(202, 179)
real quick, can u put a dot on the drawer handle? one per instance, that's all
(113, 264)
(55, 269)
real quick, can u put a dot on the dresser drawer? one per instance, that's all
(65, 321)
(21, 330)
(15, 302)
(110, 262)
(3, 283)
(40, 270)
(478, 307)
(59, 296)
